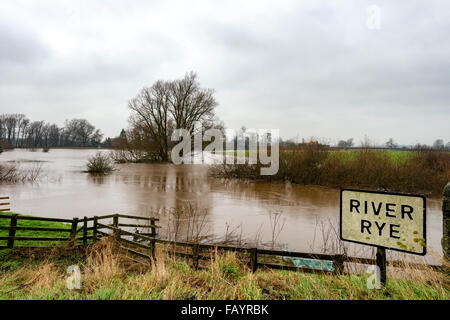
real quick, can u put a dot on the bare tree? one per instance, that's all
(54, 135)
(166, 105)
(439, 144)
(151, 113)
(22, 126)
(80, 132)
(345, 143)
(276, 224)
(366, 143)
(391, 144)
(35, 134)
(16, 130)
(189, 103)
(10, 125)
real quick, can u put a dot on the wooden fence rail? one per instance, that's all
(93, 228)
(3, 204)
(75, 226)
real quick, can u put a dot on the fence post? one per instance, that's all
(12, 231)
(116, 225)
(73, 232)
(195, 255)
(339, 264)
(381, 263)
(254, 259)
(85, 232)
(95, 229)
(153, 242)
(446, 222)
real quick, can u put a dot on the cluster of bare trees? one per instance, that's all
(16, 130)
(160, 109)
(439, 144)
(345, 143)
(391, 144)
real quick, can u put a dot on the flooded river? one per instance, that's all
(66, 191)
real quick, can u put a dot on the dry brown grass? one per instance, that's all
(109, 273)
(32, 278)
(103, 264)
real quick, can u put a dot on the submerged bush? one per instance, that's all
(100, 163)
(12, 173)
(8, 173)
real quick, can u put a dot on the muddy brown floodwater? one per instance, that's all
(143, 189)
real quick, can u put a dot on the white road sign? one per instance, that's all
(390, 220)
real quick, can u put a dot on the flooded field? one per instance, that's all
(64, 190)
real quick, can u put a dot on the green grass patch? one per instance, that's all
(397, 157)
(34, 233)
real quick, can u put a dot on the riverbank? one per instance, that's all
(422, 171)
(108, 274)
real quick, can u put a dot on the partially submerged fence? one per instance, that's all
(87, 230)
(78, 231)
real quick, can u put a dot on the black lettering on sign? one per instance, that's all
(392, 231)
(354, 204)
(365, 224)
(376, 211)
(408, 210)
(380, 228)
(388, 209)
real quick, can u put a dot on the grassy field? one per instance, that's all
(397, 156)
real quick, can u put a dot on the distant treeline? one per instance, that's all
(18, 131)
(439, 144)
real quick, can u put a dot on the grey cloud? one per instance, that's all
(314, 69)
(18, 45)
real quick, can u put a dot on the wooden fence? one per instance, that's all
(4, 201)
(78, 231)
(87, 230)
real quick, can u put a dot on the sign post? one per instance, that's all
(385, 220)
(446, 222)
(381, 264)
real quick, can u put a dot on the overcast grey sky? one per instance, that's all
(309, 68)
